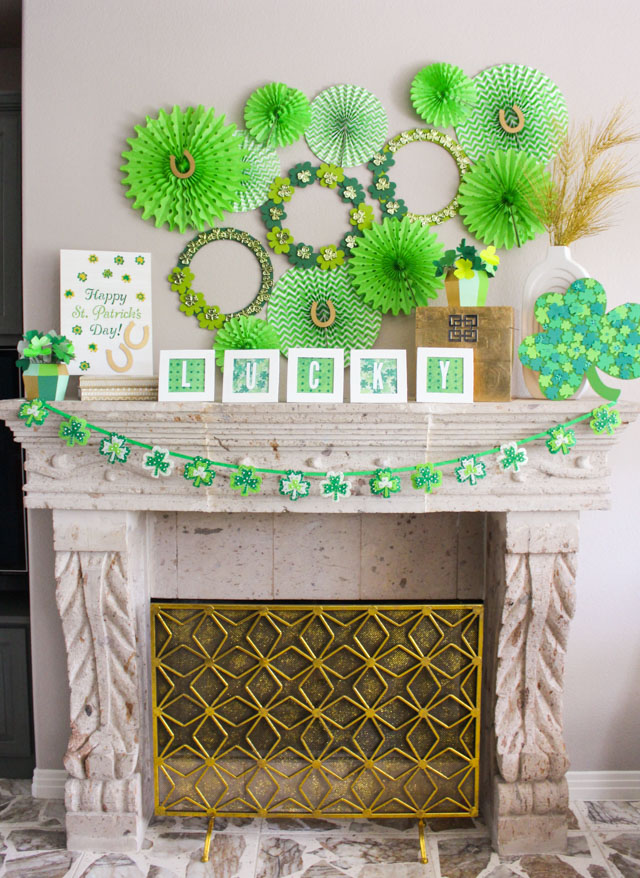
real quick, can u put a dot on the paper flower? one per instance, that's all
(245, 333)
(463, 269)
(470, 470)
(281, 190)
(302, 256)
(158, 461)
(361, 216)
(384, 483)
(246, 480)
(214, 153)
(605, 420)
(490, 259)
(272, 214)
(199, 471)
(180, 279)
(497, 198)
(302, 174)
(276, 114)
(336, 486)
(512, 457)
(115, 448)
(351, 190)
(427, 477)
(348, 125)
(74, 431)
(260, 165)
(330, 175)
(442, 94)
(542, 105)
(84, 365)
(294, 485)
(394, 207)
(280, 240)
(330, 257)
(560, 439)
(392, 266)
(33, 412)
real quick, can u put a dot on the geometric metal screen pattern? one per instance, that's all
(317, 711)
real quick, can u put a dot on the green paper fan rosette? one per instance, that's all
(497, 198)
(443, 94)
(261, 165)
(276, 114)
(215, 172)
(540, 101)
(356, 323)
(245, 334)
(348, 125)
(392, 266)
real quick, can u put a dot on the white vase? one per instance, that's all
(554, 275)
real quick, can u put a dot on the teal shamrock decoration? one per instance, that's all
(246, 480)
(294, 485)
(470, 470)
(384, 483)
(560, 439)
(579, 337)
(605, 420)
(272, 214)
(199, 471)
(336, 486)
(351, 191)
(34, 411)
(74, 431)
(115, 448)
(158, 461)
(426, 476)
(512, 457)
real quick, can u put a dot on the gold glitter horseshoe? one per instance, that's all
(141, 344)
(512, 129)
(174, 167)
(323, 324)
(127, 365)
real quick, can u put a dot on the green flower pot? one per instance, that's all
(47, 381)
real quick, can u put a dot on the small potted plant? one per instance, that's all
(44, 358)
(467, 274)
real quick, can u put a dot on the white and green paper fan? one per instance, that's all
(528, 100)
(261, 164)
(291, 311)
(348, 125)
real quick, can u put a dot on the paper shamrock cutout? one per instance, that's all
(426, 476)
(579, 337)
(605, 420)
(199, 471)
(74, 431)
(33, 412)
(115, 448)
(157, 460)
(560, 439)
(384, 483)
(246, 480)
(512, 457)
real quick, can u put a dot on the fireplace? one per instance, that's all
(123, 538)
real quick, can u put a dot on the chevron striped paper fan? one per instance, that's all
(540, 101)
(356, 324)
(348, 125)
(260, 166)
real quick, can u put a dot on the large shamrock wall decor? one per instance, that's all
(578, 337)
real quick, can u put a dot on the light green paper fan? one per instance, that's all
(356, 323)
(244, 333)
(260, 166)
(348, 125)
(539, 100)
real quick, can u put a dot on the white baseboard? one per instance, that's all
(48, 783)
(601, 785)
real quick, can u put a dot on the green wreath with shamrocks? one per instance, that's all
(281, 192)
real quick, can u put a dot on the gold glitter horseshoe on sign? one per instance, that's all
(174, 167)
(323, 324)
(142, 343)
(127, 365)
(512, 129)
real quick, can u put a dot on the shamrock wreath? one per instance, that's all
(281, 192)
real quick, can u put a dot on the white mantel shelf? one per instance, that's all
(347, 437)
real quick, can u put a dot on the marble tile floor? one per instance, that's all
(604, 842)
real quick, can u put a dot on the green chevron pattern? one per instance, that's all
(348, 125)
(539, 99)
(260, 166)
(356, 325)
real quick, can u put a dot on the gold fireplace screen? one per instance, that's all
(317, 711)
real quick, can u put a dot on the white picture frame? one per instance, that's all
(176, 382)
(455, 385)
(316, 360)
(373, 370)
(244, 371)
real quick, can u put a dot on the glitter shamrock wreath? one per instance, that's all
(194, 304)
(383, 189)
(300, 176)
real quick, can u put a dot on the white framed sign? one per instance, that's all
(378, 375)
(251, 376)
(315, 375)
(186, 376)
(444, 375)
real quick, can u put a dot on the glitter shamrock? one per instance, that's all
(93, 258)
(361, 216)
(294, 485)
(272, 214)
(107, 273)
(382, 188)
(350, 241)
(426, 476)
(115, 448)
(157, 460)
(93, 347)
(139, 260)
(605, 419)
(82, 276)
(126, 278)
(329, 175)
(246, 480)
(303, 256)
(330, 257)
(33, 412)
(384, 483)
(76, 330)
(180, 279)
(281, 190)
(301, 175)
(74, 431)
(199, 471)
(84, 365)
(69, 294)
(336, 486)
(560, 439)
(192, 303)
(394, 207)
(280, 240)
(470, 470)
(119, 260)
(210, 318)
(512, 457)
(351, 190)
(381, 162)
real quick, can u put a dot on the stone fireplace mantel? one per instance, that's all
(106, 543)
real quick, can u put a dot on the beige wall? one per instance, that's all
(92, 71)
